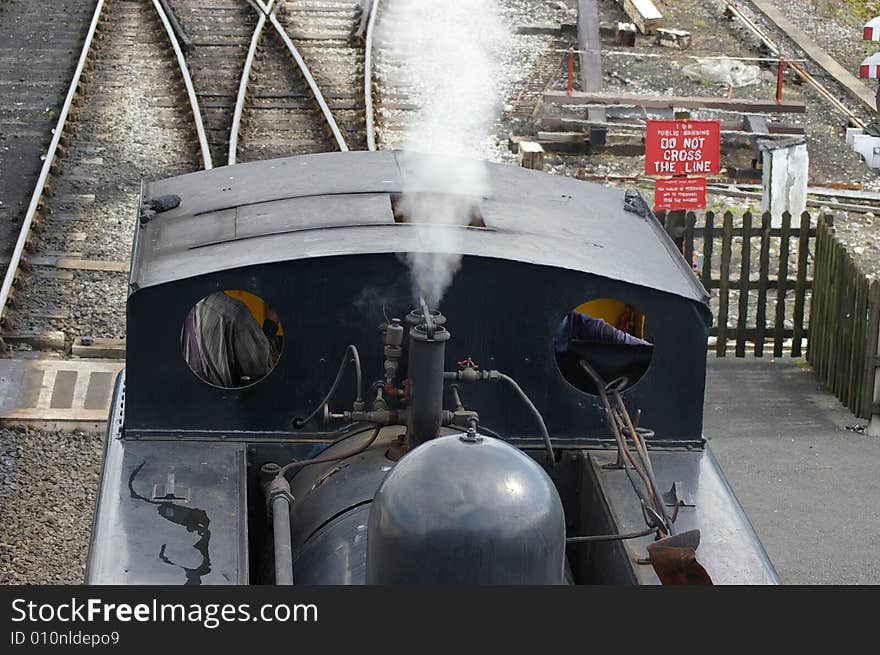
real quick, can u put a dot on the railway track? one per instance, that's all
(35, 68)
(66, 284)
(160, 88)
(544, 75)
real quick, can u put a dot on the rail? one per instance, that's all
(368, 77)
(187, 81)
(37, 195)
(794, 65)
(245, 76)
(267, 10)
(319, 97)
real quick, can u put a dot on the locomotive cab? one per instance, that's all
(292, 411)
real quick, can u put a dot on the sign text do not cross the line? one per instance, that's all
(683, 148)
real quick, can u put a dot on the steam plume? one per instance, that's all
(442, 56)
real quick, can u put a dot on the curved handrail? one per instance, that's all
(26, 224)
(190, 89)
(319, 97)
(243, 82)
(368, 78)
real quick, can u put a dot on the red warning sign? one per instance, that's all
(680, 193)
(683, 148)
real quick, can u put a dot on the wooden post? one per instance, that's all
(688, 246)
(781, 285)
(723, 283)
(708, 244)
(817, 299)
(763, 282)
(745, 268)
(589, 45)
(800, 290)
(871, 403)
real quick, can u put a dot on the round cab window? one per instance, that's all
(602, 341)
(231, 339)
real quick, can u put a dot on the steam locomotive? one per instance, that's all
(542, 424)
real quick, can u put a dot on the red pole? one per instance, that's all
(570, 71)
(779, 80)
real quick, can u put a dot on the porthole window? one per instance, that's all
(231, 339)
(604, 338)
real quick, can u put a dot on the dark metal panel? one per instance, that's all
(729, 550)
(503, 314)
(170, 513)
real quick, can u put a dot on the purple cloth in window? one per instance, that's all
(586, 328)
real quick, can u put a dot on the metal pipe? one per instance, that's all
(425, 374)
(279, 498)
(545, 435)
(283, 547)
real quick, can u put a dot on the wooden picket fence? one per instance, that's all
(721, 244)
(820, 293)
(844, 323)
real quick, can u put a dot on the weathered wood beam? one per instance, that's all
(643, 13)
(670, 102)
(589, 45)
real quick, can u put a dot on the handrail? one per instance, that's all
(243, 82)
(190, 89)
(368, 78)
(26, 224)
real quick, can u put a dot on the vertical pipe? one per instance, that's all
(570, 72)
(283, 548)
(779, 73)
(427, 356)
(277, 490)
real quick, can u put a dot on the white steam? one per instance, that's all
(441, 57)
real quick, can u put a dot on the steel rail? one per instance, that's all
(37, 195)
(187, 81)
(319, 97)
(368, 77)
(267, 11)
(245, 77)
(794, 65)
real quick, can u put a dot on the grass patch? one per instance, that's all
(864, 10)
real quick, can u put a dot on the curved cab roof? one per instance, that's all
(342, 204)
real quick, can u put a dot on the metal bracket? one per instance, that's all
(676, 497)
(634, 202)
(170, 492)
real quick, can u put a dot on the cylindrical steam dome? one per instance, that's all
(456, 510)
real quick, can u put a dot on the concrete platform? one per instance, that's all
(810, 486)
(57, 393)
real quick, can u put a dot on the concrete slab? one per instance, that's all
(56, 392)
(810, 486)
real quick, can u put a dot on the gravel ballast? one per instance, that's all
(48, 482)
